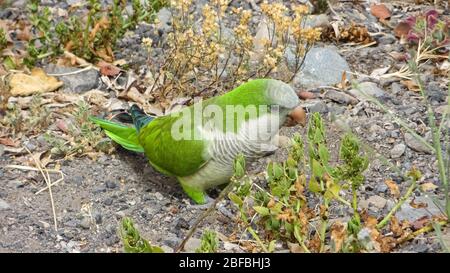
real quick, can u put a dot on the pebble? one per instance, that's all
(108, 201)
(192, 244)
(377, 201)
(85, 223)
(366, 89)
(340, 97)
(415, 144)
(111, 185)
(4, 205)
(398, 150)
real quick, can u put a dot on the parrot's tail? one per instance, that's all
(124, 135)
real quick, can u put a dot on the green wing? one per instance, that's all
(169, 155)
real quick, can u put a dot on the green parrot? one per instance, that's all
(198, 144)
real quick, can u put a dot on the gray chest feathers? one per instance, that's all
(254, 139)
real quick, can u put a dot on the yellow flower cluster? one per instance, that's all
(196, 53)
(242, 30)
(210, 25)
(147, 42)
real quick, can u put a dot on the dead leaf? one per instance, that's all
(370, 221)
(295, 248)
(428, 186)
(9, 142)
(38, 82)
(108, 69)
(134, 95)
(387, 244)
(62, 125)
(376, 73)
(306, 95)
(399, 56)
(380, 11)
(338, 235)
(420, 223)
(24, 34)
(402, 30)
(395, 227)
(393, 187)
(417, 205)
(411, 85)
(120, 62)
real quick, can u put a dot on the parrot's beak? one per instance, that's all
(296, 116)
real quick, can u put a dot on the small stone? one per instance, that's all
(45, 224)
(77, 83)
(182, 224)
(381, 188)
(167, 249)
(387, 39)
(340, 97)
(100, 189)
(415, 144)
(111, 185)
(366, 89)
(377, 201)
(159, 196)
(85, 223)
(192, 244)
(314, 106)
(398, 150)
(4, 205)
(108, 201)
(396, 88)
(320, 20)
(98, 218)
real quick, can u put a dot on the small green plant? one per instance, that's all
(132, 240)
(91, 39)
(284, 212)
(84, 136)
(17, 121)
(3, 41)
(209, 243)
(431, 28)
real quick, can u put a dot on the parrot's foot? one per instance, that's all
(199, 196)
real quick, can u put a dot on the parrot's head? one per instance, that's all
(283, 96)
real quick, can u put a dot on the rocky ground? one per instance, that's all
(96, 194)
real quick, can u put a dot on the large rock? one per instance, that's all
(322, 66)
(77, 82)
(407, 212)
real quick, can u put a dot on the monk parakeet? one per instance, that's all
(199, 143)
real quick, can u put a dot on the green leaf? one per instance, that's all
(332, 191)
(133, 242)
(314, 185)
(271, 246)
(317, 168)
(263, 211)
(235, 199)
(323, 153)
